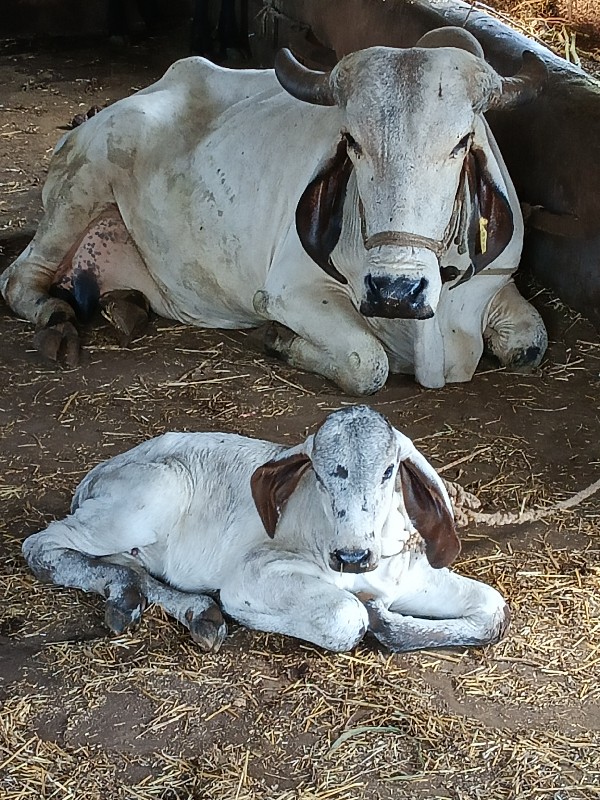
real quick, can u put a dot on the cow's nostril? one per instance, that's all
(395, 297)
(352, 556)
(419, 287)
(352, 561)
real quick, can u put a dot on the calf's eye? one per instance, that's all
(388, 473)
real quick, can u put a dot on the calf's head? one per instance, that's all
(361, 466)
(412, 132)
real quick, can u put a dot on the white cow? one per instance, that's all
(349, 532)
(374, 224)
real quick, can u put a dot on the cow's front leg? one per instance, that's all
(279, 594)
(330, 339)
(438, 608)
(515, 332)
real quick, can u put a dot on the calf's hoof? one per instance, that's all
(207, 628)
(58, 343)
(124, 612)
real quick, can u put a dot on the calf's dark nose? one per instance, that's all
(351, 560)
(395, 298)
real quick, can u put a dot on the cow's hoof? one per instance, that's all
(127, 312)
(58, 343)
(207, 629)
(124, 612)
(278, 341)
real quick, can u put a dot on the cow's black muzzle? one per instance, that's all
(395, 298)
(352, 561)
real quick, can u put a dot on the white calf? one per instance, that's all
(317, 541)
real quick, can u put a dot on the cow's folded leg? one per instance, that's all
(126, 586)
(401, 633)
(345, 354)
(515, 332)
(119, 584)
(127, 311)
(438, 608)
(279, 595)
(199, 613)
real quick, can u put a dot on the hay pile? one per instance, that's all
(571, 28)
(146, 716)
(583, 15)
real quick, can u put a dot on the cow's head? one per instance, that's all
(362, 466)
(412, 132)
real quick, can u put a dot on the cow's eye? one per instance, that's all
(460, 148)
(352, 144)
(388, 473)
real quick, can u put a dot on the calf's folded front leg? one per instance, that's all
(401, 633)
(438, 608)
(279, 595)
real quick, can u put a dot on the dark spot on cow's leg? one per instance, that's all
(127, 310)
(123, 611)
(86, 292)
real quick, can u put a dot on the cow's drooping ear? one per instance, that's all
(319, 213)
(490, 227)
(428, 510)
(272, 485)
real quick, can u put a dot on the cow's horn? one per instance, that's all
(525, 85)
(451, 36)
(303, 83)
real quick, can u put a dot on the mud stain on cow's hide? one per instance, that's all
(118, 155)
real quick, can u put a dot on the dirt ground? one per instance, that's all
(85, 715)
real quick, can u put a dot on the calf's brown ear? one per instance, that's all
(429, 513)
(272, 485)
(320, 210)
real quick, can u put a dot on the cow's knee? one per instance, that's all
(39, 556)
(492, 617)
(365, 371)
(343, 625)
(358, 365)
(515, 332)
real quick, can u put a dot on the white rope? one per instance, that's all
(533, 515)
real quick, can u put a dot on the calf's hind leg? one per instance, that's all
(127, 588)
